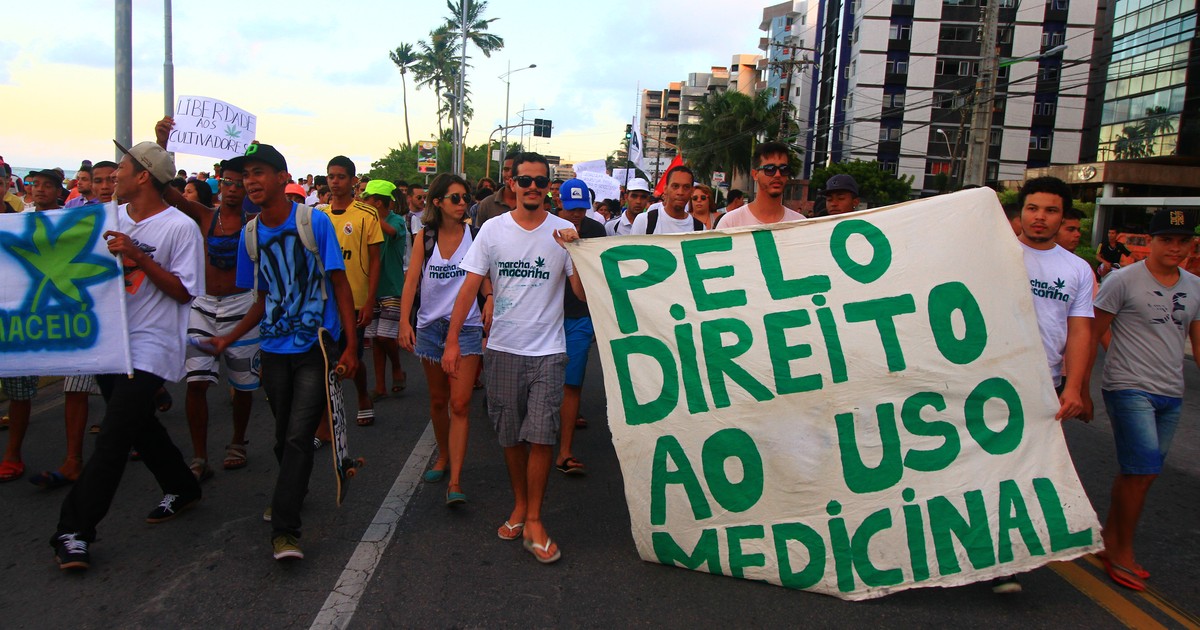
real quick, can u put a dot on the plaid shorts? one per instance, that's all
(386, 320)
(20, 387)
(524, 396)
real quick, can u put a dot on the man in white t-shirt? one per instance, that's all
(163, 255)
(636, 202)
(1061, 283)
(673, 217)
(772, 168)
(525, 360)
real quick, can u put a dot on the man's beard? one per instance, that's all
(531, 208)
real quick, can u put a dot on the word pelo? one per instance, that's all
(722, 341)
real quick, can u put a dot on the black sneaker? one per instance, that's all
(170, 506)
(1006, 585)
(72, 553)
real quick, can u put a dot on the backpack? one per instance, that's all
(304, 229)
(652, 222)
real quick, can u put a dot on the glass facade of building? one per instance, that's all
(1146, 78)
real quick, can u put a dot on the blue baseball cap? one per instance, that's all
(574, 195)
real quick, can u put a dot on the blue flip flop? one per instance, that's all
(50, 480)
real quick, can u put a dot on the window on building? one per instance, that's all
(1008, 4)
(888, 166)
(943, 100)
(1045, 141)
(937, 168)
(896, 66)
(846, 72)
(1048, 73)
(907, 3)
(900, 32)
(968, 68)
(994, 137)
(889, 134)
(854, 7)
(1006, 34)
(1043, 109)
(993, 171)
(957, 33)
(897, 100)
(1060, 5)
(1002, 72)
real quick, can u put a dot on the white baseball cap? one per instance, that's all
(638, 183)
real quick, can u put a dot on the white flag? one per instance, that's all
(635, 146)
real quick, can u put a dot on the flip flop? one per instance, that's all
(433, 475)
(509, 531)
(200, 469)
(11, 471)
(50, 480)
(1138, 571)
(1121, 575)
(571, 466)
(580, 422)
(94, 429)
(366, 417)
(542, 552)
(235, 456)
(398, 384)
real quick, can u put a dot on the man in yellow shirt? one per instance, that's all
(358, 232)
(11, 202)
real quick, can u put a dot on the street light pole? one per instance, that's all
(507, 91)
(124, 71)
(460, 130)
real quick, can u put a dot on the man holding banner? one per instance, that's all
(525, 359)
(672, 217)
(162, 254)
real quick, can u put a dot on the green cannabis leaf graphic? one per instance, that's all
(63, 260)
(233, 132)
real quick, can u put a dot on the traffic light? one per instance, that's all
(541, 127)
(628, 132)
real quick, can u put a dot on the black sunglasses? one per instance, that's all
(233, 183)
(771, 169)
(455, 198)
(541, 181)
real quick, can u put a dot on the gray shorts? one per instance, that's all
(524, 396)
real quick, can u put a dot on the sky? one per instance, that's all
(318, 77)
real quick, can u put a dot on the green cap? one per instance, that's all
(380, 187)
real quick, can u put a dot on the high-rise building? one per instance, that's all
(1141, 81)
(697, 88)
(745, 75)
(660, 125)
(897, 79)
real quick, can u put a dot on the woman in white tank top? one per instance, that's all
(433, 274)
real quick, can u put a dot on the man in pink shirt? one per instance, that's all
(772, 168)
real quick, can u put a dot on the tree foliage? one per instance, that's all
(875, 186)
(401, 162)
(405, 58)
(730, 125)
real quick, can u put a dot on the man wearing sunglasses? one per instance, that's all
(771, 172)
(503, 201)
(526, 357)
(216, 312)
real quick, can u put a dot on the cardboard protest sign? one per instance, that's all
(852, 405)
(600, 183)
(591, 166)
(62, 302)
(207, 126)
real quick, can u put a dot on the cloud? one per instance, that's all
(376, 72)
(83, 51)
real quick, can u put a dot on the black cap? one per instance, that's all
(264, 153)
(50, 173)
(841, 181)
(1173, 222)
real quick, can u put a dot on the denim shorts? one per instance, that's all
(579, 334)
(431, 340)
(1143, 425)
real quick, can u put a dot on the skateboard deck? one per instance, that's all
(344, 467)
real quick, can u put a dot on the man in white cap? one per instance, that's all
(163, 256)
(638, 199)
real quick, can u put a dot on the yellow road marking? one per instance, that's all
(1123, 609)
(1155, 598)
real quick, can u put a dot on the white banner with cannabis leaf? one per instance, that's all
(207, 126)
(62, 299)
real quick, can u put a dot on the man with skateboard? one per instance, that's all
(300, 279)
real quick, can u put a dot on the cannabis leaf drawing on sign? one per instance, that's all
(1059, 283)
(58, 256)
(233, 132)
(540, 262)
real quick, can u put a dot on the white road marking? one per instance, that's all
(344, 598)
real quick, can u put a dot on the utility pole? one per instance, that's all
(168, 63)
(459, 118)
(124, 72)
(975, 169)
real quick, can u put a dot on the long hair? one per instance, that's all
(434, 216)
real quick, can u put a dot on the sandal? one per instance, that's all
(542, 552)
(235, 456)
(580, 422)
(50, 480)
(94, 429)
(200, 469)
(398, 384)
(4, 423)
(11, 471)
(366, 417)
(1122, 575)
(509, 531)
(571, 466)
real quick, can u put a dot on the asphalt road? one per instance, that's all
(423, 565)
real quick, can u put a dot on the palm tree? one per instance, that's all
(437, 65)
(724, 139)
(477, 34)
(405, 59)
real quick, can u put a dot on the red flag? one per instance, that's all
(662, 182)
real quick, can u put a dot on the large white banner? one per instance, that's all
(852, 405)
(207, 126)
(62, 300)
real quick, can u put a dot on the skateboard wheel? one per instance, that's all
(340, 370)
(351, 473)
(360, 462)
